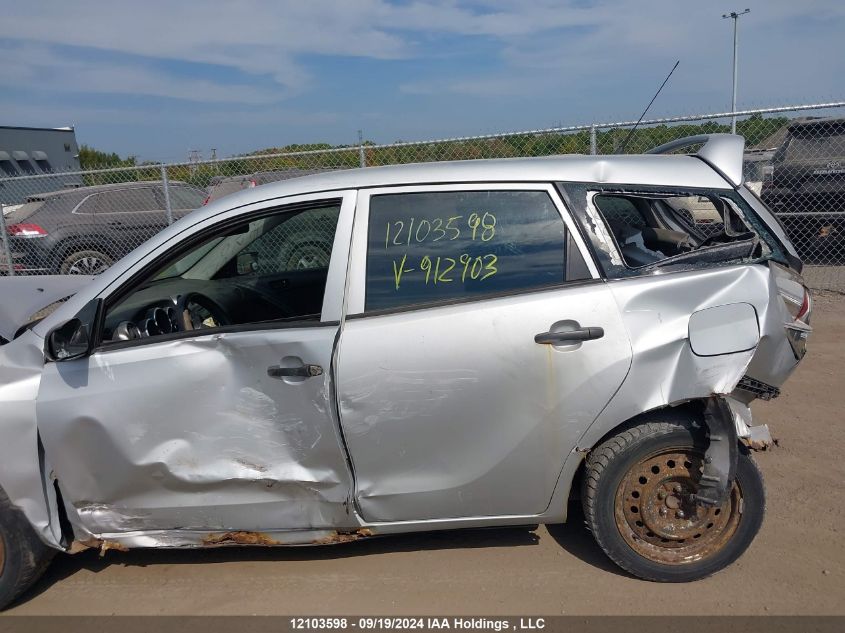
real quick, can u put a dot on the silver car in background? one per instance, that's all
(421, 347)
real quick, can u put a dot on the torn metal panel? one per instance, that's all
(23, 297)
(759, 438)
(193, 434)
(196, 538)
(665, 371)
(20, 473)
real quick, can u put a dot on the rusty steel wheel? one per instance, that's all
(638, 492)
(658, 517)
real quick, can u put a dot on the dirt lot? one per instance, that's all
(796, 565)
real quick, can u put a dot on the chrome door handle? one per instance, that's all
(303, 371)
(570, 336)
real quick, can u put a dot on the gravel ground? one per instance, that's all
(796, 565)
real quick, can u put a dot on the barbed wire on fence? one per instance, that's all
(82, 221)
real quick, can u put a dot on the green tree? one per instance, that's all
(90, 158)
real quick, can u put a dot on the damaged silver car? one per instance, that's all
(421, 347)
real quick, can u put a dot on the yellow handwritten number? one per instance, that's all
(490, 266)
(425, 264)
(442, 278)
(488, 222)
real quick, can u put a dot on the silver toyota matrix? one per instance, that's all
(422, 347)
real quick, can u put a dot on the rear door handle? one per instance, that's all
(570, 336)
(303, 371)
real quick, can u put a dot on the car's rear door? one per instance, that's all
(221, 429)
(449, 405)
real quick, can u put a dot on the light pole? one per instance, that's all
(735, 16)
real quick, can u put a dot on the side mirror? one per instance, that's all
(247, 263)
(75, 338)
(69, 341)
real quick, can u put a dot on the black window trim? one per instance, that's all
(185, 245)
(300, 323)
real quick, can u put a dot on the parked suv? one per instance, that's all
(806, 188)
(84, 231)
(468, 344)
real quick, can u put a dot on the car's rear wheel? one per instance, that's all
(23, 557)
(638, 502)
(85, 262)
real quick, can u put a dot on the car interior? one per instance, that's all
(652, 228)
(273, 269)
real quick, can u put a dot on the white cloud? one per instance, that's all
(272, 39)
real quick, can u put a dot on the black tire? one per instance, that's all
(630, 515)
(86, 261)
(23, 557)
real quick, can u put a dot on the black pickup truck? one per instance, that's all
(806, 188)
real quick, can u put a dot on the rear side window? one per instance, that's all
(635, 232)
(816, 142)
(120, 201)
(437, 246)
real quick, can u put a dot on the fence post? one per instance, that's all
(362, 158)
(592, 140)
(6, 249)
(166, 186)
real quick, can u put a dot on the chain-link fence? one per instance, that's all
(794, 160)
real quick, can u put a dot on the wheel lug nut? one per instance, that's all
(663, 512)
(677, 487)
(680, 514)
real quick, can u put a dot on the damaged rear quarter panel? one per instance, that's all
(656, 310)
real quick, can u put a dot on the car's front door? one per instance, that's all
(226, 423)
(450, 406)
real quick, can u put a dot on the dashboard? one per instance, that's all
(181, 305)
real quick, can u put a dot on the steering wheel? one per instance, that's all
(194, 310)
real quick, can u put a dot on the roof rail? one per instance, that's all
(723, 152)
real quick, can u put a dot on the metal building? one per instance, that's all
(32, 151)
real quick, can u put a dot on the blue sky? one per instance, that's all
(156, 78)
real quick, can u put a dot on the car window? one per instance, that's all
(185, 198)
(303, 242)
(665, 228)
(816, 143)
(120, 201)
(436, 246)
(268, 269)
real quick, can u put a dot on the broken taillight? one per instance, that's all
(804, 311)
(26, 230)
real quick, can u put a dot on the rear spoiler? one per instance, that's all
(723, 152)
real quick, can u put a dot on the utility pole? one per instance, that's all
(735, 17)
